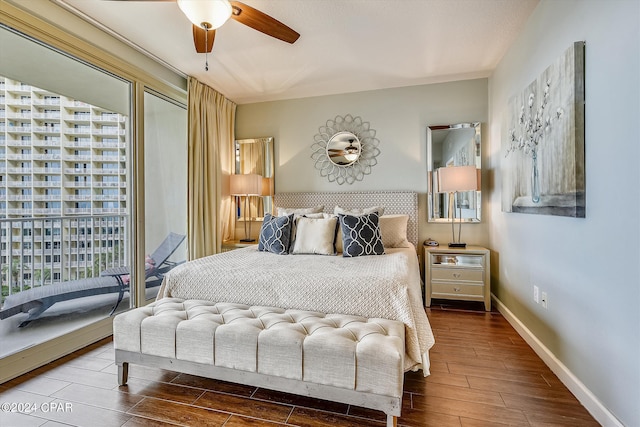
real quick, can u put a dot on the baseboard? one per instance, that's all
(575, 386)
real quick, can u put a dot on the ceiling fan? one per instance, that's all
(350, 152)
(208, 15)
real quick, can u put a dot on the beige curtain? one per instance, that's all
(211, 139)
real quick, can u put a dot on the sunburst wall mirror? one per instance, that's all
(345, 149)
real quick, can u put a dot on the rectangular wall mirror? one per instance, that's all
(453, 145)
(255, 156)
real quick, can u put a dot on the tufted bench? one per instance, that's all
(348, 359)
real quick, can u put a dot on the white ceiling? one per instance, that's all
(345, 45)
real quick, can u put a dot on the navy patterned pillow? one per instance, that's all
(361, 235)
(275, 234)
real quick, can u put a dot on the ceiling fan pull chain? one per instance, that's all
(206, 53)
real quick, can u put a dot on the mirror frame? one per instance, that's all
(431, 172)
(269, 170)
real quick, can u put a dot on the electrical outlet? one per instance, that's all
(545, 300)
(536, 294)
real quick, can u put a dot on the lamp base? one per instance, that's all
(457, 245)
(247, 240)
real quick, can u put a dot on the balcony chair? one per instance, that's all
(35, 301)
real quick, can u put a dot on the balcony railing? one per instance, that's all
(64, 249)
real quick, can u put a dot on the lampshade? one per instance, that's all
(209, 14)
(245, 185)
(457, 178)
(267, 187)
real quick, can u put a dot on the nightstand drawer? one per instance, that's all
(458, 274)
(456, 289)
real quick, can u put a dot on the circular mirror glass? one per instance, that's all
(343, 148)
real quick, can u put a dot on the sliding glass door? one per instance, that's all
(77, 225)
(165, 183)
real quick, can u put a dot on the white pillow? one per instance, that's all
(312, 212)
(299, 211)
(394, 231)
(356, 212)
(315, 236)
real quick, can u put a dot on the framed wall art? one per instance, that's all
(543, 165)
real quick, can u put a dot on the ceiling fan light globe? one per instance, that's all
(208, 14)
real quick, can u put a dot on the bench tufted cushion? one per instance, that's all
(349, 352)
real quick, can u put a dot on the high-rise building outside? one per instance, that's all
(63, 187)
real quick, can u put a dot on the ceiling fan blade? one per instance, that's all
(203, 39)
(262, 22)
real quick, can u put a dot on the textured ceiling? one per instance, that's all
(345, 45)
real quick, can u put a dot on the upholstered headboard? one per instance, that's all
(394, 202)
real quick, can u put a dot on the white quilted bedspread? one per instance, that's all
(385, 286)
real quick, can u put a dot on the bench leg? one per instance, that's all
(123, 373)
(392, 421)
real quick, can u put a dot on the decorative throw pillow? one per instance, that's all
(315, 236)
(361, 235)
(394, 231)
(355, 212)
(275, 234)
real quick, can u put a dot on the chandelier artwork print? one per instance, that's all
(345, 149)
(543, 165)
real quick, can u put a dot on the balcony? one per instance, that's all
(77, 184)
(52, 171)
(47, 211)
(47, 130)
(111, 198)
(46, 115)
(108, 119)
(110, 184)
(120, 145)
(77, 171)
(18, 197)
(19, 129)
(19, 156)
(46, 101)
(18, 142)
(79, 131)
(53, 142)
(78, 211)
(48, 184)
(77, 157)
(111, 132)
(46, 197)
(52, 229)
(110, 158)
(21, 115)
(23, 171)
(17, 102)
(52, 156)
(77, 197)
(19, 184)
(105, 171)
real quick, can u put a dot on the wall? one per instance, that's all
(589, 267)
(400, 117)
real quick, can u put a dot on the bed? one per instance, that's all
(385, 286)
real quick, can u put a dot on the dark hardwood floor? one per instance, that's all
(482, 374)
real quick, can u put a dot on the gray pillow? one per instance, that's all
(361, 235)
(275, 234)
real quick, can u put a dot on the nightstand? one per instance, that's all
(229, 245)
(457, 274)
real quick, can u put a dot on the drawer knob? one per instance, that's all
(457, 275)
(456, 289)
